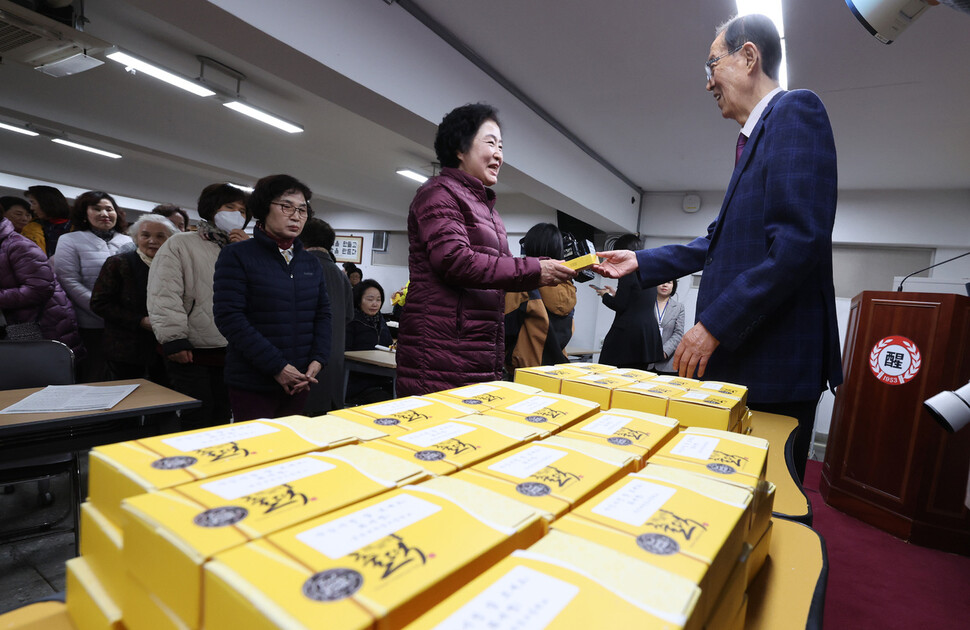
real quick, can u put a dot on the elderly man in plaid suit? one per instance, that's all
(766, 305)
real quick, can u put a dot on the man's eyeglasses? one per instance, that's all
(709, 64)
(288, 209)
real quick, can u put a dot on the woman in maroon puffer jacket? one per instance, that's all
(452, 329)
(29, 291)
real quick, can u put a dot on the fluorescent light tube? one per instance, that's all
(84, 147)
(162, 75)
(263, 117)
(245, 189)
(26, 132)
(418, 177)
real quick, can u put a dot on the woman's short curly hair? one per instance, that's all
(458, 129)
(79, 214)
(271, 187)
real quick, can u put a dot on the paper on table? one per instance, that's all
(60, 398)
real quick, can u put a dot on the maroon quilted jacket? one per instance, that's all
(28, 287)
(452, 329)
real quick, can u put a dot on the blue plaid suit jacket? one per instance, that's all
(766, 292)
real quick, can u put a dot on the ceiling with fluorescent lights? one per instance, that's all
(625, 78)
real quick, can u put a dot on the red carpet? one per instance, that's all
(879, 582)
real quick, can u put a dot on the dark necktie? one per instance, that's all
(742, 139)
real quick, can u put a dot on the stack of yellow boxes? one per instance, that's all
(96, 579)
(373, 516)
(566, 582)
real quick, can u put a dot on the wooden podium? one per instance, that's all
(887, 461)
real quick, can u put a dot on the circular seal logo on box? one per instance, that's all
(387, 422)
(658, 544)
(536, 419)
(721, 469)
(332, 584)
(471, 401)
(429, 456)
(174, 463)
(220, 516)
(620, 441)
(895, 360)
(533, 489)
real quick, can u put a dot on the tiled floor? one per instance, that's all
(33, 568)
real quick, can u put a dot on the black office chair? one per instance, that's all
(38, 364)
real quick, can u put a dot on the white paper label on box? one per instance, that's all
(397, 406)
(474, 390)
(222, 435)
(435, 435)
(523, 599)
(695, 447)
(607, 425)
(663, 378)
(635, 502)
(348, 533)
(528, 462)
(531, 405)
(232, 488)
(696, 395)
(713, 385)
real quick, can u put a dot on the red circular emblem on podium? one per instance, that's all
(895, 360)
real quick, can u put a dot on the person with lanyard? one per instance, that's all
(670, 318)
(271, 304)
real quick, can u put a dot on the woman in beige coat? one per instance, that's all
(180, 304)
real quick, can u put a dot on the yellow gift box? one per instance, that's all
(640, 434)
(723, 453)
(737, 391)
(700, 408)
(582, 366)
(443, 448)
(553, 474)
(759, 554)
(565, 582)
(596, 387)
(631, 373)
(402, 413)
(122, 470)
(547, 411)
(88, 604)
(548, 378)
(684, 523)
(171, 533)
(382, 562)
(101, 544)
(646, 396)
(486, 395)
(724, 613)
(677, 381)
(142, 610)
(582, 262)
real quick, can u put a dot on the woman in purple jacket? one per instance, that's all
(29, 291)
(452, 329)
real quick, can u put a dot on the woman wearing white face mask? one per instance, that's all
(180, 303)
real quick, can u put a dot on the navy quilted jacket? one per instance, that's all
(271, 313)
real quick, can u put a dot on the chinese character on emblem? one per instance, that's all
(895, 360)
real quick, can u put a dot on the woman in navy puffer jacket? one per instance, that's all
(270, 303)
(452, 330)
(30, 292)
